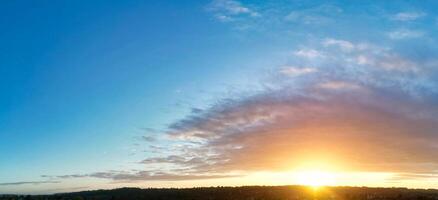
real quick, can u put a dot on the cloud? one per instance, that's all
(28, 183)
(156, 175)
(148, 138)
(408, 16)
(296, 71)
(365, 57)
(387, 61)
(344, 45)
(349, 124)
(414, 176)
(229, 10)
(360, 100)
(361, 107)
(147, 176)
(405, 34)
(308, 53)
(316, 15)
(64, 176)
(224, 18)
(355, 59)
(335, 85)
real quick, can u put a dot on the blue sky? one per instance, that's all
(101, 94)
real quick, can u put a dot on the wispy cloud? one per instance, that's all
(414, 176)
(308, 53)
(229, 10)
(338, 85)
(316, 15)
(408, 16)
(28, 183)
(344, 45)
(405, 34)
(156, 175)
(148, 138)
(296, 71)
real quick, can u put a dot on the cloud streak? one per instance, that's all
(230, 10)
(405, 34)
(123, 176)
(408, 16)
(318, 15)
(28, 183)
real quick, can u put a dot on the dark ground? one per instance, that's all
(243, 193)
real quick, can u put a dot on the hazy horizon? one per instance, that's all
(307, 187)
(108, 94)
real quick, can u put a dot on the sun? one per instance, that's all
(315, 178)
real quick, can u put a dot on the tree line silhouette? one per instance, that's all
(241, 193)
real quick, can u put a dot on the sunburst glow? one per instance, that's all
(315, 178)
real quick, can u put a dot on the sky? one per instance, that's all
(106, 94)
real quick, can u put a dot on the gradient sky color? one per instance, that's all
(104, 94)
